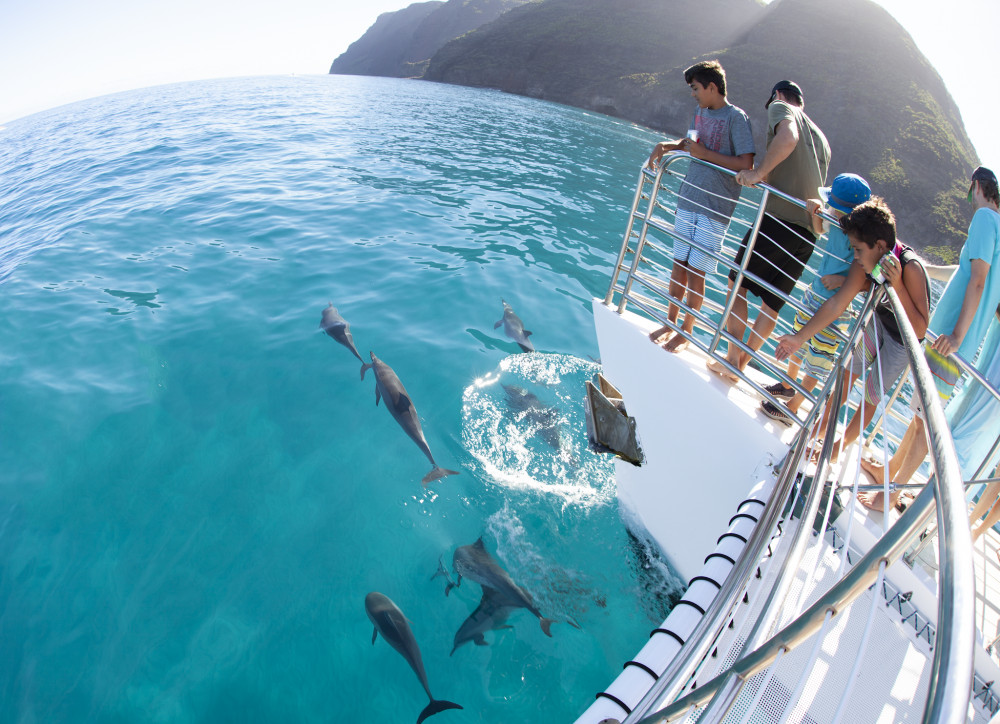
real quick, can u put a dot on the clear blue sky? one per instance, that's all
(57, 51)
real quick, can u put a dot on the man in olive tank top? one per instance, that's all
(795, 163)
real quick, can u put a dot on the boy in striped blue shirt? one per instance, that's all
(847, 191)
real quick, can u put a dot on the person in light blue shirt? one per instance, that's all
(974, 418)
(961, 319)
(974, 413)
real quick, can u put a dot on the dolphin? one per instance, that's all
(490, 615)
(475, 563)
(397, 401)
(513, 327)
(544, 419)
(338, 328)
(395, 629)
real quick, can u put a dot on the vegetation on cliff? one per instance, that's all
(577, 51)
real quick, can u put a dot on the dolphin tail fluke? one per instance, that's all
(364, 367)
(546, 625)
(441, 570)
(436, 705)
(435, 473)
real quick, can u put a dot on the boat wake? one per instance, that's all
(524, 423)
(564, 593)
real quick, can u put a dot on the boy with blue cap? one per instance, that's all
(847, 191)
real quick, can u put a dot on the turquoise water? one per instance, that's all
(197, 491)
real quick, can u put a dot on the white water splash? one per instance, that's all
(525, 424)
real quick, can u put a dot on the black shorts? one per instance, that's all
(779, 257)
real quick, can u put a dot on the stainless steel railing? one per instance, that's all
(951, 684)
(643, 253)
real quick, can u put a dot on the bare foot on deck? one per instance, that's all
(661, 335)
(872, 501)
(717, 368)
(678, 343)
(876, 470)
(817, 451)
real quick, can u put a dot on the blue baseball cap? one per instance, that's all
(847, 191)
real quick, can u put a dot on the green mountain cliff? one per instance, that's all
(884, 109)
(401, 43)
(578, 51)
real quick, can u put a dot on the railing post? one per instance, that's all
(628, 234)
(735, 288)
(951, 675)
(641, 241)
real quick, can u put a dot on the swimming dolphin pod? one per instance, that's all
(338, 328)
(389, 621)
(397, 401)
(500, 594)
(513, 327)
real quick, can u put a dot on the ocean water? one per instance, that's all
(197, 490)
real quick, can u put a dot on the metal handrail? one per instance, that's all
(953, 670)
(951, 675)
(648, 221)
(852, 585)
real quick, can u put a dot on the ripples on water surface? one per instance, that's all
(196, 489)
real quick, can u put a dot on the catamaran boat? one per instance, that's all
(802, 604)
